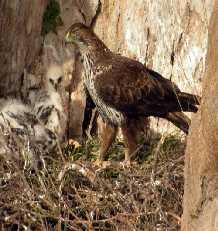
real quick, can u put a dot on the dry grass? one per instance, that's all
(147, 196)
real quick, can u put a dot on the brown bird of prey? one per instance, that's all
(124, 89)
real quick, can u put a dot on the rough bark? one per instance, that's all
(20, 40)
(201, 163)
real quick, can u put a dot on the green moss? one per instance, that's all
(173, 145)
(86, 152)
(51, 17)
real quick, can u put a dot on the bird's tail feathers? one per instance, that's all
(190, 98)
(180, 120)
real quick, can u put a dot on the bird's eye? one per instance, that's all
(60, 79)
(51, 81)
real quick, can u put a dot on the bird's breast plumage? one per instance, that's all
(107, 112)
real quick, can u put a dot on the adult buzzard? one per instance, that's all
(124, 89)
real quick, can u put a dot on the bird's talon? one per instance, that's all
(102, 164)
(74, 143)
(98, 163)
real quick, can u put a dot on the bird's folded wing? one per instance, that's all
(127, 85)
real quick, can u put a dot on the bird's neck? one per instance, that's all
(91, 56)
(94, 53)
(89, 59)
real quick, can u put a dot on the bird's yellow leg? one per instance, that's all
(130, 142)
(107, 135)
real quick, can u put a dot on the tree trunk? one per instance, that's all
(201, 164)
(20, 40)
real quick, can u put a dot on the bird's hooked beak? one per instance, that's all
(70, 38)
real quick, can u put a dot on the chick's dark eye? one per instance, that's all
(51, 81)
(60, 79)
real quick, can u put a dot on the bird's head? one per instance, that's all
(79, 35)
(55, 77)
(83, 37)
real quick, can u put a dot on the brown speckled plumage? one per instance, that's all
(123, 88)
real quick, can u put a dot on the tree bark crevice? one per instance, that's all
(201, 161)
